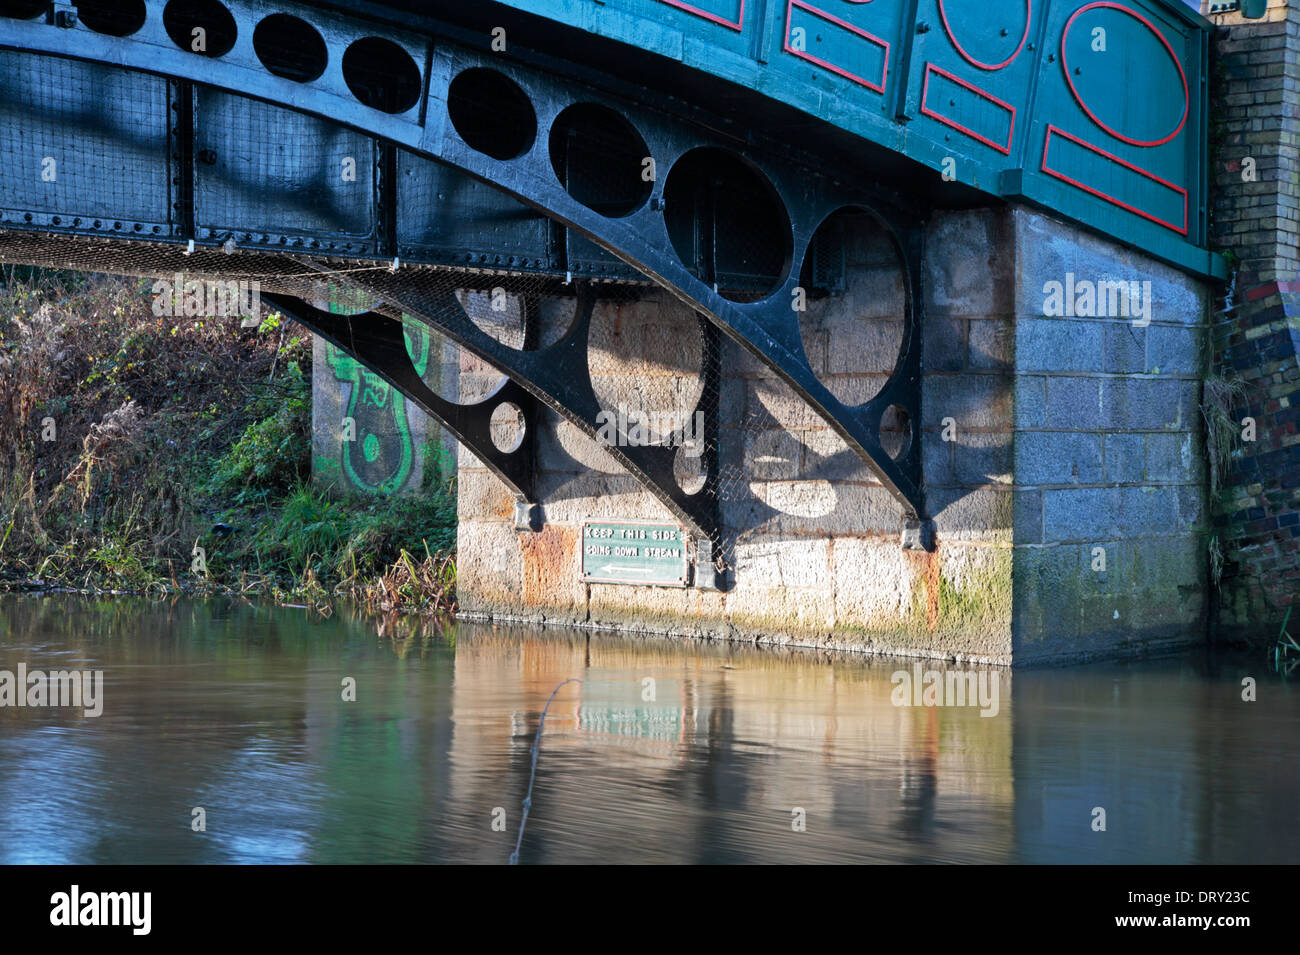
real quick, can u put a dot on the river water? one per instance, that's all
(730, 754)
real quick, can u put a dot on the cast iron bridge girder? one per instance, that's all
(556, 375)
(768, 328)
(378, 342)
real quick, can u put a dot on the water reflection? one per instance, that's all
(237, 708)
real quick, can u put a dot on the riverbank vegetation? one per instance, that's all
(151, 454)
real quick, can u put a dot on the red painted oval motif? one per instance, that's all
(965, 54)
(1148, 71)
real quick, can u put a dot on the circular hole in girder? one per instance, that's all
(381, 74)
(854, 304)
(507, 426)
(645, 352)
(522, 314)
(688, 468)
(601, 160)
(290, 48)
(727, 224)
(342, 299)
(491, 113)
(112, 17)
(450, 371)
(896, 431)
(23, 9)
(204, 27)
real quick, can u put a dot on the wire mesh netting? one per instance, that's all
(303, 207)
(645, 350)
(647, 353)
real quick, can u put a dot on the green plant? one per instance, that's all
(311, 526)
(171, 432)
(273, 454)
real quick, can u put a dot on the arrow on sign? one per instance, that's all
(621, 568)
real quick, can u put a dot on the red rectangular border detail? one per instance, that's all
(925, 91)
(1181, 230)
(737, 24)
(804, 55)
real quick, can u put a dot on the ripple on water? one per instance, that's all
(719, 760)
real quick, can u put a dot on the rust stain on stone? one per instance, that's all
(548, 564)
(925, 564)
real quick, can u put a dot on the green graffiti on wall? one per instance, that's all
(381, 455)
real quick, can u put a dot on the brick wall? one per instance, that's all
(1256, 108)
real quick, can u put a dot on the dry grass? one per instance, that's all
(97, 394)
(426, 587)
(165, 428)
(1220, 398)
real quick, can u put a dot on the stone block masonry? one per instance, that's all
(1110, 475)
(1047, 440)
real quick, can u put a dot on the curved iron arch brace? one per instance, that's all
(558, 375)
(766, 328)
(769, 328)
(378, 342)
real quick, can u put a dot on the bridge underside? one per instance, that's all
(446, 184)
(759, 271)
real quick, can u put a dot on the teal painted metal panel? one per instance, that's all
(1094, 109)
(1116, 134)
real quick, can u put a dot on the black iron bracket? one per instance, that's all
(378, 342)
(557, 375)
